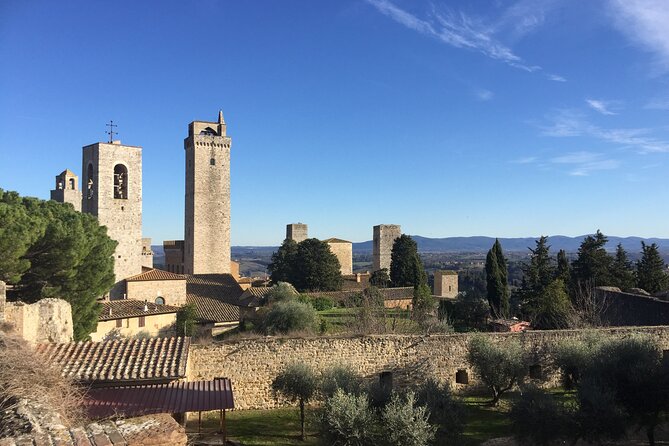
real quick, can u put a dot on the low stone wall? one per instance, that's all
(620, 308)
(45, 321)
(252, 364)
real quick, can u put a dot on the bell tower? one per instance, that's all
(207, 213)
(112, 191)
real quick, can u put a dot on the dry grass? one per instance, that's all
(23, 375)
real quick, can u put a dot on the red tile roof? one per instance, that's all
(155, 274)
(127, 360)
(215, 296)
(125, 308)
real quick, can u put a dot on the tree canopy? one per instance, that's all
(651, 270)
(51, 250)
(592, 264)
(406, 268)
(309, 266)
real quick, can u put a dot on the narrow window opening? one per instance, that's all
(212, 161)
(72, 183)
(120, 182)
(386, 380)
(461, 377)
(535, 371)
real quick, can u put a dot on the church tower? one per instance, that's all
(207, 216)
(67, 189)
(112, 191)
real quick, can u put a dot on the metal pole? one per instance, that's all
(225, 430)
(199, 421)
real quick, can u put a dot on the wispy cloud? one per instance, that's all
(566, 123)
(458, 30)
(525, 160)
(583, 163)
(645, 23)
(602, 107)
(483, 95)
(555, 78)
(658, 104)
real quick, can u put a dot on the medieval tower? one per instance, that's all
(112, 191)
(384, 237)
(207, 215)
(297, 232)
(67, 189)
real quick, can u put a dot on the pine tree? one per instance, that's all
(497, 281)
(593, 264)
(540, 272)
(622, 272)
(282, 265)
(651, 270)
(406, 268)
(316, 267)
(563, 271)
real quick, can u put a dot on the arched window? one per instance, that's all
(160, 300)
(89, 181)
(120, 181)
(72, 183)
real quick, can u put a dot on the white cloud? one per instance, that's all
(456, 29)
(555, 78)
(645, 23)
(570, 123)
(484, 95)
(525, 160)
(600, 106)
(583, 163)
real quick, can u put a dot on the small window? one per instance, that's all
(386, 380)
(535, 371)
(461, 377)
(142, 321)
(120, 182)
(72, 183)
(212, 161)
(119, 323)
(160, 300)
(449, 288)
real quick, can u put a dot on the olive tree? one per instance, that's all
(297, 382)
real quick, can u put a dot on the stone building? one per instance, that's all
(174, 255)
(344, 251)
(297, 232)
(129, 318)
(67, 189)
(207, 213)
(446, 284)
(158, 287)
(112, 175)
(384, 237)
(147, 253)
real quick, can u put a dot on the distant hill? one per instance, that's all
(468, 244)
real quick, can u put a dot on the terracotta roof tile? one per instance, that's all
(124, 308)
(215, 296)
(155, 274)
(150, 359)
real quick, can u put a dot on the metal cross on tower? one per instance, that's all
(111, 131)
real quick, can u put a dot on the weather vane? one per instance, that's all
(111, 131)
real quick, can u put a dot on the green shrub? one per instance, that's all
(348, 420)
(186, 320)
(290, 315)
(322, 303)
(406, 424)
(445, 411)
(342, 378)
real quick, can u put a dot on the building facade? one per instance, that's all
(112, 178)
(207, 213)
(384, 237)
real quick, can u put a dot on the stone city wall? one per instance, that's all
(47, 320)
(252, 364)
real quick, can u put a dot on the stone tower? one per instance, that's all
(112, 182)
(446, 284)
(67, 189)
(384, 237)
(207, 216)
(297, 232)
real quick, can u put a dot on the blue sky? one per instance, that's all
(499, 118)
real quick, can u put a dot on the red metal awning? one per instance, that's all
(177, 397)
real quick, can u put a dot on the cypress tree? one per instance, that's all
(282, 265)
(622, 273)
(563, 271)
(406, 268)
(497, 280)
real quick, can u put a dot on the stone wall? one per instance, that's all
(207, 204)
(344, 252)
(383, 238)
(620, 308)
(173, 291)
(446, 284)
(252, 364)
(45, 321)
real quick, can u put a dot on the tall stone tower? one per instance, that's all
(384, 237)
(207, 225)
(112, 175)
(297, 232)
(67, 189)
